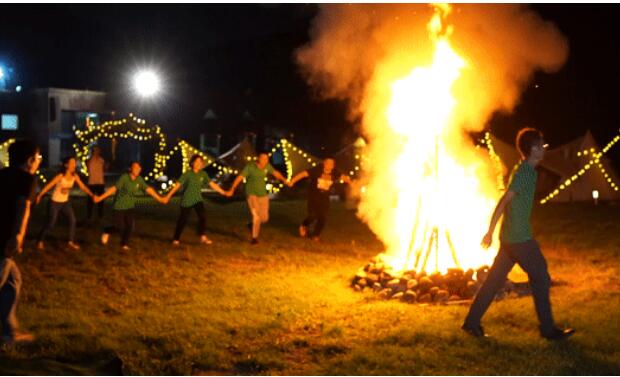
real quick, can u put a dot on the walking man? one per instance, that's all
(517, 244)
(255, 175)
(322, 177)
(192, 182)
(17, 193)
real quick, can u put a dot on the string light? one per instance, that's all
(594, 161)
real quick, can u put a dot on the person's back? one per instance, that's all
(15, 183)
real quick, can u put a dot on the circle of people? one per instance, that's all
(131, 185)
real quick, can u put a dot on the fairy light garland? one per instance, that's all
(594, 161)
(497, 162)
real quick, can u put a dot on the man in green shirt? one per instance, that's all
(192, 182)
(255, 175)
(127, 188)
(517, 244)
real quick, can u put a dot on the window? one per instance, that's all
(10, 122)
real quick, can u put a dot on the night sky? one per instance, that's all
(238, 58)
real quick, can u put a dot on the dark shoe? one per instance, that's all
(254, 241)
(249, 225)
(476, 331)
(558, 334)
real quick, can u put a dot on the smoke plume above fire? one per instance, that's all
(419, 78)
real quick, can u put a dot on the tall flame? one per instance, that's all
(428, 195)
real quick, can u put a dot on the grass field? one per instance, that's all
(285, 306)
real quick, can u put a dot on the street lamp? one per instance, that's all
(146, 83)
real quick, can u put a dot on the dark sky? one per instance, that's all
(234, 58)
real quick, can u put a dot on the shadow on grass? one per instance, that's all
(104, 363)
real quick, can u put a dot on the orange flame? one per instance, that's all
(428, 195)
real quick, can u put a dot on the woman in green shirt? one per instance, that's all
(255, 175)
(192, 182)
(128, 186)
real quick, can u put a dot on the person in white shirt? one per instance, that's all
(62, 185)
(96, 168)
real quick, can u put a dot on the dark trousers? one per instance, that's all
(97, 190)
(52, 212)
(125, 222)
(531, 260)
(184, 216)
(318, 207)
(10, 285)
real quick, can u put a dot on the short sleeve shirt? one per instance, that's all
(127, 190)
(255, 179)
(16, 183)
(321, 184)
(516, 224)
(192, 187)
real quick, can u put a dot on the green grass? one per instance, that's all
(285, 305)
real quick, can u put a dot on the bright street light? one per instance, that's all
(146, 83)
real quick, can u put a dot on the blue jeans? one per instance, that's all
(528, 255)
(53, 209)
(10, 285)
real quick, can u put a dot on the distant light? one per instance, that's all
(146, 83)
(164, 186)
(18, 88)
(1, 72)
(594, 194)
(536, 86)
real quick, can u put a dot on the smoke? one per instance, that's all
(351, 44)
(358, 52)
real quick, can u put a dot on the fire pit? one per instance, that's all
(455, 286)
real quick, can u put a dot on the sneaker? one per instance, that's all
(73, 246)
(105, 237)
(176, 243)
(205, 240)
(40, 246)
(303, 231)
(559, 334)
(254, 241)
(475, 331)
(125, 248)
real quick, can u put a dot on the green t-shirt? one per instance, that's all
(255, 179)
(192, 187)
(127, 190)
(516, 225)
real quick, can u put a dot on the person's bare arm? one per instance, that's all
(48, 187)
(109, 192)
(14, 246)
(217, 188)
(83, 187)
(236, 183)
(279, 176)
(298, 178)
(173, 190)
(497, 214)
(151, 191)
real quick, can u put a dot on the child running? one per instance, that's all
(127, 188)
(192, 182)
(59, 202)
